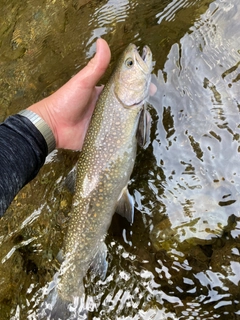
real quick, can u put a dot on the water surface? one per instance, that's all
(180, 258)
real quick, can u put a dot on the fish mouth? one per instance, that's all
(144, 53)
(145, 60)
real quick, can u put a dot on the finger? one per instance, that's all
(102, 58)
(99, 89)
(96, 93)
(152, 89)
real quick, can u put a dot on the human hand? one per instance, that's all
(68, 110)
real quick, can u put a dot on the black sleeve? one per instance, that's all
(23, 151)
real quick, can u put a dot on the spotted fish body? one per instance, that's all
(104, 168)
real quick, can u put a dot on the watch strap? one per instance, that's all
(42, 126)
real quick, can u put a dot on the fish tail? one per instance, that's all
(63, 310)
(56, 308)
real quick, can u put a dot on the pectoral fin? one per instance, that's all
(59, 256)
(70, 180)
(99, 264)
(144, 126)
(125, 206)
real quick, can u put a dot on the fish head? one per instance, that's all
(133, 76)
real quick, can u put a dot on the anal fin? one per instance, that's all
(99, 264)
(125, 205)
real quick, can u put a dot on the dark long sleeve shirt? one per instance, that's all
(23, 151)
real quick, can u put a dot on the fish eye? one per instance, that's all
(129, 62)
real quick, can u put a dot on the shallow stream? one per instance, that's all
(181, 257)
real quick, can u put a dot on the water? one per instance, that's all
(180, 258)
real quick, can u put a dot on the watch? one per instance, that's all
(42, 126)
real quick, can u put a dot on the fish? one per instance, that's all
(103, 173)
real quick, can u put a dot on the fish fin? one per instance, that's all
(65, 310)
(60, 256)
(99, 264)
(62, 310)
(144, 126)
(70, 181)
(125, 205)
(53, 307)
(56, 308)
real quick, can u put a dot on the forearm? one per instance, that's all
(23, 150)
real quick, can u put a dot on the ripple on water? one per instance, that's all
(180, 258)
(197, 147)
(113, 11)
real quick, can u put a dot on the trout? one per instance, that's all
(103, 172)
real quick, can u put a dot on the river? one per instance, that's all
(180, 259)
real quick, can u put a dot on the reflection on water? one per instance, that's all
(181, 257)
(200, 124)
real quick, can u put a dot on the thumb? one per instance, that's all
(80, 86)
(96, 67)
